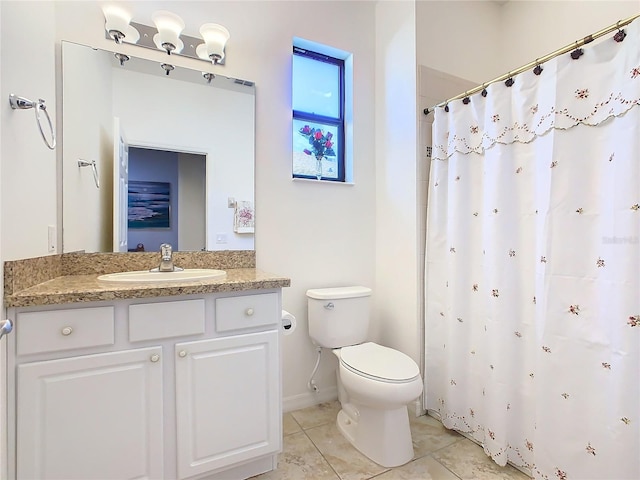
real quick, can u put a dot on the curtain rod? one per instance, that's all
(538, 61)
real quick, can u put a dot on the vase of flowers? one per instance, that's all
(319, 166)
(320, 146)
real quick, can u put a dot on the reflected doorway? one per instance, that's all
(166, 200)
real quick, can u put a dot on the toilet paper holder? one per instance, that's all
(288, 322)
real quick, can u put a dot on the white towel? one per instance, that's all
(244, 217)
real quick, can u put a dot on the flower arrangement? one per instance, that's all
(319, 141)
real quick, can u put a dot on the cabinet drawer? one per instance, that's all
(152, 321)
(56, 330)
(233, 313)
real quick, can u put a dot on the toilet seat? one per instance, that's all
(379, 363)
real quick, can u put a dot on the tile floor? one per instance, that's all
(314, 449)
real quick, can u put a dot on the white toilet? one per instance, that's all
(375, 383)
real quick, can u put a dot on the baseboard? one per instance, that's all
(245, 470)
(416, 407)
(309, 399)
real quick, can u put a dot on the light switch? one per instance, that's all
(221, 238)
(52, 241)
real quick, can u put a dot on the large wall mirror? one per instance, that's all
(174, 156)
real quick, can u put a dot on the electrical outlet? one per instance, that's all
(52, 240)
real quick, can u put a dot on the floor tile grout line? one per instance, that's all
(329, 463)
(446, 468)
(322, 455)
(294, 419)
(459, 437)
(304, 430)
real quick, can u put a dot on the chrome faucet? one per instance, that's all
(166, 259)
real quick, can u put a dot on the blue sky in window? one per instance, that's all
(316, 87)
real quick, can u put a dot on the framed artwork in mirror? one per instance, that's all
(149, 205)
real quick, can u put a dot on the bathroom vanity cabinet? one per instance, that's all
(184, 387)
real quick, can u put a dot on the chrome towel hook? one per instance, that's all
(21, 103)
(92, 163)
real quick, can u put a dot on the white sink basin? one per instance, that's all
(146, 276)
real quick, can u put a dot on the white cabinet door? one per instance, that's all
(91, 417)
(227, 401)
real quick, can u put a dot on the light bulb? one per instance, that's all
(215, 38)
(117, 24)
(169, 27)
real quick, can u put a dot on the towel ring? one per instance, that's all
(21, 103)
(92, 163)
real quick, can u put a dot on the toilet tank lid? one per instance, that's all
(338, 292)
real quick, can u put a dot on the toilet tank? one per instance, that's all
(338, 316)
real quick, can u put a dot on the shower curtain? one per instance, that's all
(532, 328)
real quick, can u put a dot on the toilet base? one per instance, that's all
(383, 436)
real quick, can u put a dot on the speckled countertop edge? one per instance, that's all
(52, 281)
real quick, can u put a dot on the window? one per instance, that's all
(318, 116)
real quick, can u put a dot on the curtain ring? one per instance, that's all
(466, 99)
(538, 70)
(577, 53)
(39, 105)
(510, 81)
(619, 37)
(484, 90)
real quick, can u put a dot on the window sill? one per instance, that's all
(311, 180)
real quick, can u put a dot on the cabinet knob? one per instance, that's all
(182, 353)
(155, 357)
(66, 331)
(6, 326)
(248, 312)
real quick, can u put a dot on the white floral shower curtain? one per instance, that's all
(533, 266)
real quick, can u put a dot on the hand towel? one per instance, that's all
(244, 216)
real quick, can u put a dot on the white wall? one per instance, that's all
(461, 38)
(396, 322)
(28, 166)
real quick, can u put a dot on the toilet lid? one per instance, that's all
(380, 362)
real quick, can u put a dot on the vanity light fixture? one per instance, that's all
(169, 27)
(166, 35)
(118, 25)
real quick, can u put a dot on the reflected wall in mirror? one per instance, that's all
(180, 115)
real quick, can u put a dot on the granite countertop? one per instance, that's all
(53, 281)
